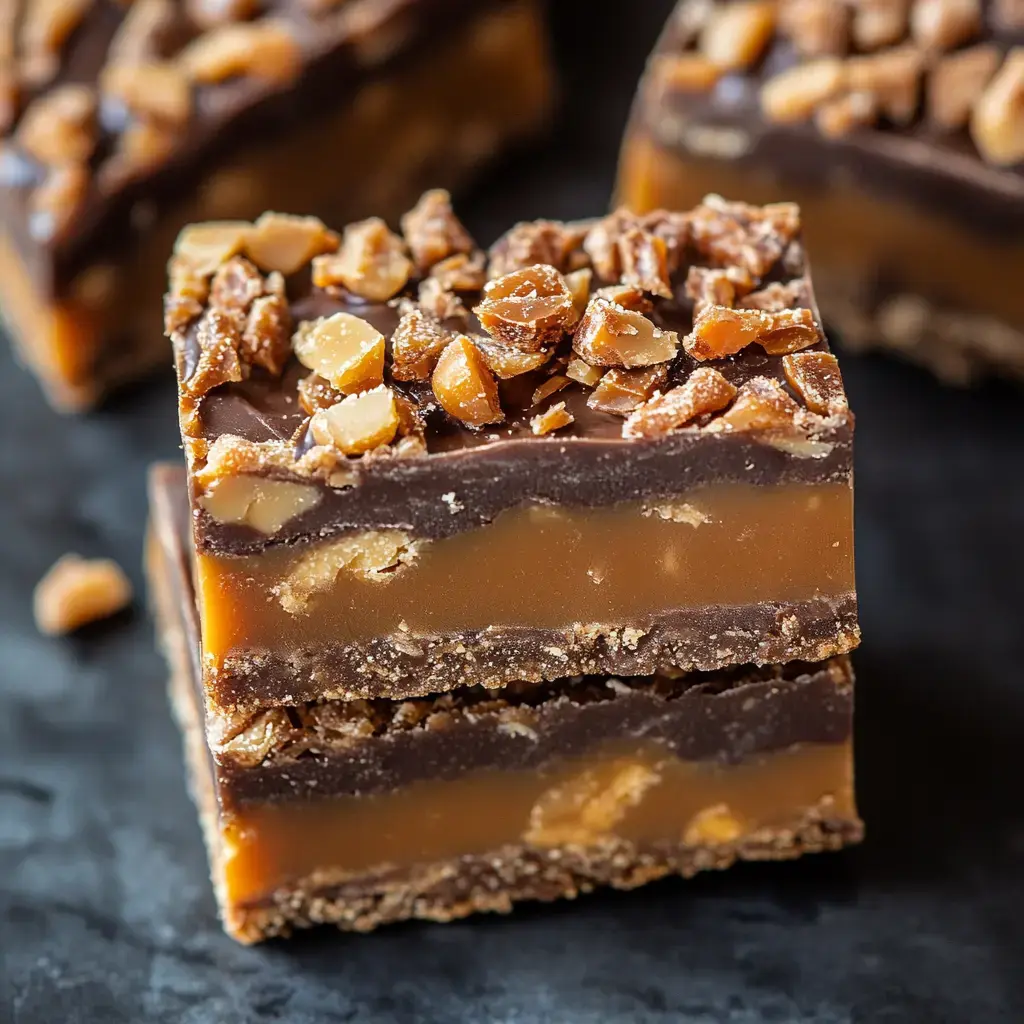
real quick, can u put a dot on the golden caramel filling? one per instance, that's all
(846, 228)
(431, 121)
(632, 793)
(537, 566)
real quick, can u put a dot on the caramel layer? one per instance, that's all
(425, 125)
(846, 228)
(541, 567)
(620, 793)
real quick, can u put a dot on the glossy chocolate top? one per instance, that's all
(582, 363)
(364, 747)
(919, 100)
(113, 110)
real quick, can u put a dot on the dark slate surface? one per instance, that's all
(105, 909)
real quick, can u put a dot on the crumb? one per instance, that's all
(77, 591)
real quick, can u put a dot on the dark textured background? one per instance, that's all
(106, 913)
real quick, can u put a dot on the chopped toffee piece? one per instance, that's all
(898, 127)
(360, 813)
(510, 453)
(121, 122)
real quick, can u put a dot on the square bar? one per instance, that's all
(365, 812)
(421, 467)
(898, 128)
(120, 123)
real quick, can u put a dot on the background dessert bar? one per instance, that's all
(120, 122)
(898, 127)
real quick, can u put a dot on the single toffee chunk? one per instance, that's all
(606, 447)
(121, 122)
(898, 127)
(359, 813)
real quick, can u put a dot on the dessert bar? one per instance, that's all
(120, 122)
(610, 447)
(359, 813)
(899, 128)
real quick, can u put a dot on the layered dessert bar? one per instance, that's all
(121, 122)
(363, 812)
(615, 447)
(898, 125)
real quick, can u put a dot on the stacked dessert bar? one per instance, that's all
(501, 575)
(898, 125)
(122, 122)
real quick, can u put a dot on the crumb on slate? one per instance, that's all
(77, 591)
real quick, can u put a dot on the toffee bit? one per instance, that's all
(704, 391)
(621, 391)
(433, 232)
(553, 418)
(464, 386)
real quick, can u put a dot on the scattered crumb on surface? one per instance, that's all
(77, 591)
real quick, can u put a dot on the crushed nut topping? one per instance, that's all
(957, 82)
(366, 393)
(416, 344)
(553, 418)
(705, 391)
(816, 378)
(260, 49)
(358, 423)
(343, 349)
(464, 386)
(527, 309)
(997, 123)
(433, 232)
(156, 91)
(543, 241)
(621, 391)
(719, 331)
(371, 262)
(761, 405)
(611, 335)
(736, 34)
(60, 126)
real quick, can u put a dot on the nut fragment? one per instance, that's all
(315, 392)
(371, 262)
(777, 296)
(438, 302)
(715, 286)
(343, 349)
(77, 591)
(210, 13)
(464, 386)
(761, 405)
(719, 332)
(712, 827)
(204, 247)
(705, 391)
(553, 418)
(815, 377)
(266, 337)
(611, 335)
(286, 243)
(794, 94)
(527, 309)
(621, 391)
(358, 423)
(892, 77)
(159, 90)
(878, 23)
(263, 503)
(682, 72)
(554, 383)
(263, 49)
(417, 342)
(55, 202)
(644, 260)
(956, 82)
(505, 362)
(142, 32)
(736, 34)
(461, 272)
(843, 114)
(45, 28)
(997, 125)
(218, 339)
(740, 235)
(582, 372)
(579, 285)
(541, 241)
(583, 809)
(60, 126)
(433, 232)
(817, 28)
(944, 24)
